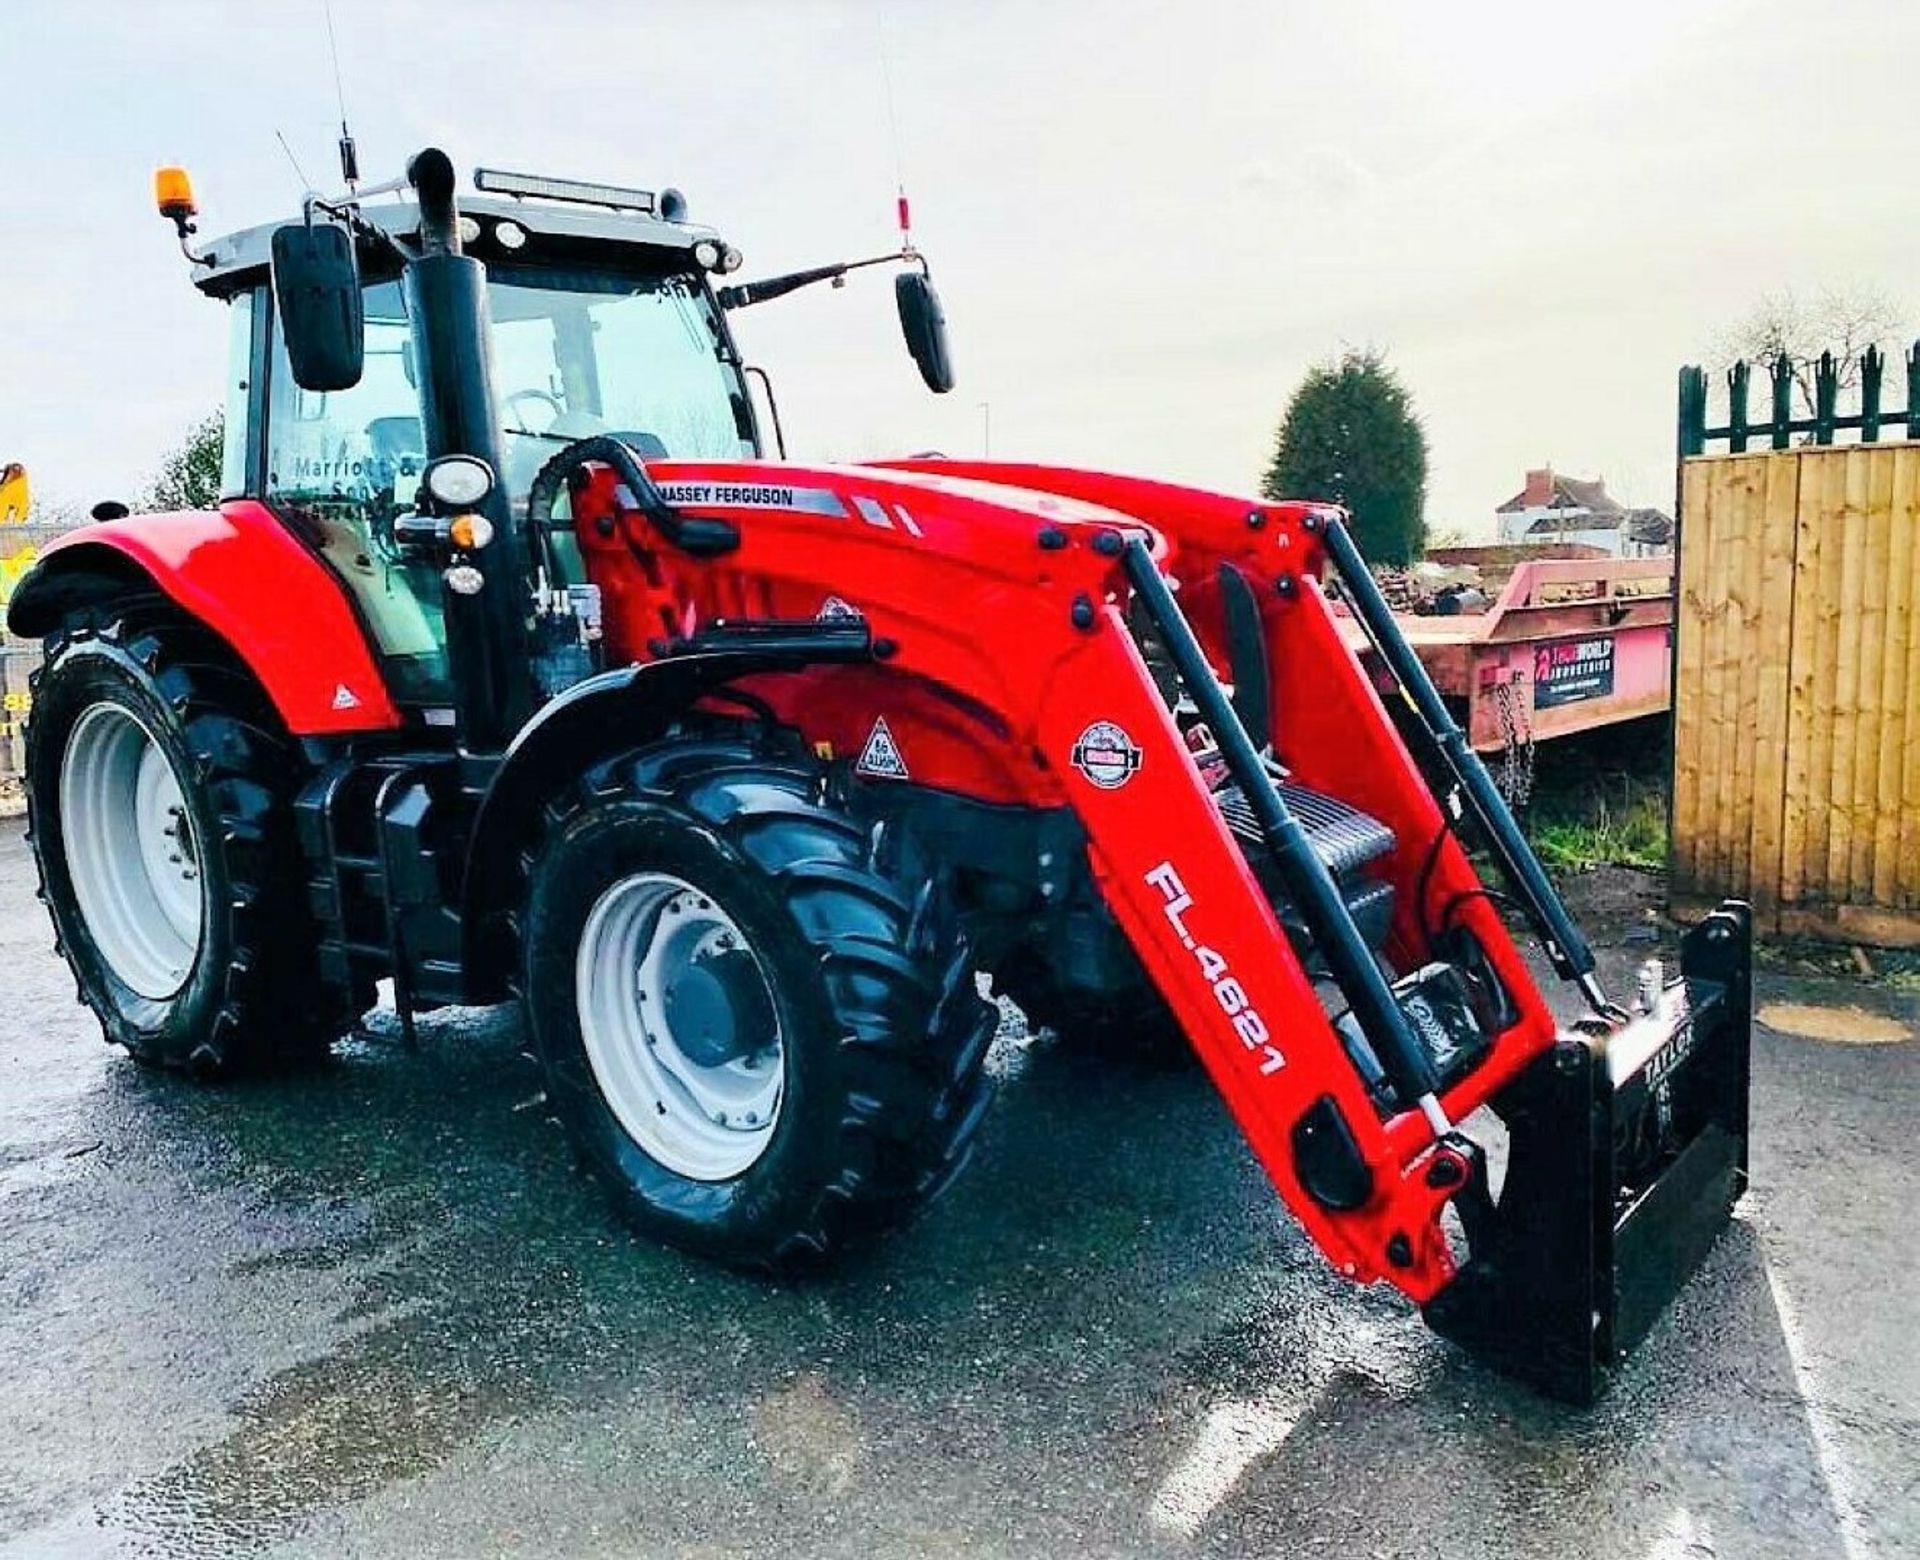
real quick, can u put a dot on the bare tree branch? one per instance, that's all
(1842, 320)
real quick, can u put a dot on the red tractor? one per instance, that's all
(511, 668)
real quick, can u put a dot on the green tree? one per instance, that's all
(189, 478)
(1350, 436)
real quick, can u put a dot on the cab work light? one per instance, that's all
(496, 182)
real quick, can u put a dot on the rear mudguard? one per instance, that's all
(241, 572)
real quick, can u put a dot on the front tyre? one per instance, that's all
(160, 792)
(757, 1020)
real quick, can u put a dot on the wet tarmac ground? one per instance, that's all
(374, 1311)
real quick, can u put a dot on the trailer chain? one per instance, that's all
(1516, 743)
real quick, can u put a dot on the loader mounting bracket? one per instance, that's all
(1591, 1237)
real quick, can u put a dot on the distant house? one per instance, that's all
(1553, 508)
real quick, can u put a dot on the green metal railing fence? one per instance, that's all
(1778, 428)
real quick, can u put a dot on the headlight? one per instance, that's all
(706, 255)
(458, 481)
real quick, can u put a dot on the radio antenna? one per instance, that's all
(902, 210)
(298, 172)
(349, 153)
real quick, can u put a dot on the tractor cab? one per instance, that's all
(593, 314)
(601, 320)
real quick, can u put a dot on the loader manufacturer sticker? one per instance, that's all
(834, 610)
(1673, 1051)
(881, 758)
(742, 495)
(1228, 992)
(1106, 755)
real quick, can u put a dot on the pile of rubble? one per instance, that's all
(1429, 589)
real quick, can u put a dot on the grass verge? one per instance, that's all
(1600, 799)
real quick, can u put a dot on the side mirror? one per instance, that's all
(316, 291)
(924, 323)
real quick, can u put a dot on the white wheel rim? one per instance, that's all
(692, 1065)
(132, 852)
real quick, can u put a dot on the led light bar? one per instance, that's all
(579, 191)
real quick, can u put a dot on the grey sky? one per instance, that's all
(1146, 219)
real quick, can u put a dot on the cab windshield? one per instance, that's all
(583, 353)
(574, 354)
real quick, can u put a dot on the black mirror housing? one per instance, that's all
(316, 292)
(924, 324)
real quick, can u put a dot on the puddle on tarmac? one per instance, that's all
(1839, 1025)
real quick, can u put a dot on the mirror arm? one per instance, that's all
(345, 208)
(340, 205)
(747, 294)
(348, 214)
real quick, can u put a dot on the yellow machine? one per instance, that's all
(14, 498)
(15, 502)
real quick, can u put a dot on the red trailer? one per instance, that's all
(1568, 644)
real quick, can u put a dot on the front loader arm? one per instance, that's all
(1009, 594)
(1020, 615)
(1180, 887)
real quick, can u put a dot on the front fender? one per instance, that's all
(239, 571)
(602, 716)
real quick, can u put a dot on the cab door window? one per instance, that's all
(345, 463)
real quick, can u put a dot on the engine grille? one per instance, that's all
(1344, 838)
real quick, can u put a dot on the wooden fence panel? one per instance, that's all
(1896, 868)
(1796, 732)
(1689, 741)
(1736, 593)
(1774, 628)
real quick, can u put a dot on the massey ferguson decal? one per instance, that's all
(739, 495)
(1228, 992)
(1106, 755)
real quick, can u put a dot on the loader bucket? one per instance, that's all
(1626, 1155)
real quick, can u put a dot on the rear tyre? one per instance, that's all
(756, 1018)
(160, 795)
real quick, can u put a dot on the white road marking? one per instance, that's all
(1234, 1436)
(1683, 1537)
(1855, 1540)
(1239, 1432)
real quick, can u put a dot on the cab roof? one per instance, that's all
(557, 234)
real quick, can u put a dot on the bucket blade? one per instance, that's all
(1626, 1156)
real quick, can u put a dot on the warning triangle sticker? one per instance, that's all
(343, 698)
(881, 756)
